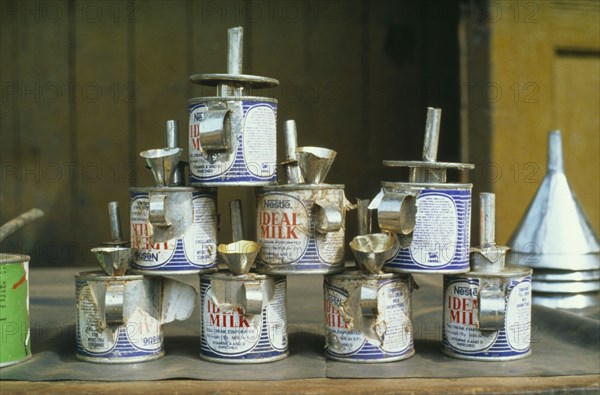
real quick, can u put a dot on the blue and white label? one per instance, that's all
(195, 251)
(286, 232)
(441, 237)
(461, 335)
(352, 336)
(251, 157)
(230, 335)
(139, 337)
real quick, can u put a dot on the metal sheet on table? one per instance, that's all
(563, 343)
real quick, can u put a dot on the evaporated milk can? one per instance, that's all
(120, 318)
(232, 135)
(301, 228)
(15, 341)
(368, 317)
(244, 318)
(430, 217)
(173, 230)
(487, 312)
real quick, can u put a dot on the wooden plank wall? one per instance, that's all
(87, 85)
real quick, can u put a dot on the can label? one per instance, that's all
(230, 335)
(353, 337)
(15, 343)
(286, 232)
(441, 238)
(252, 157)
(461, 336)
(194, 252)
(139, 337)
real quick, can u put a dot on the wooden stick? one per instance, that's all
(15, 224)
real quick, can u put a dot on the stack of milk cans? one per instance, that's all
(426, 229)
(300, 227)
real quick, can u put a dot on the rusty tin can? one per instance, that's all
(441, 238)
(368, 317)
(244, 318)
(246, 151)
(301, 229)
(173, 230)
(120, 318)
(463, 336)
(15, 340)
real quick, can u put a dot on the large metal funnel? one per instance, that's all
(113, 260)
(239, 256)
(371, 251)
(554, 233)
(162, 162)
(315, 163)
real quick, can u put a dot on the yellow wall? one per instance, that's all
(545, 71)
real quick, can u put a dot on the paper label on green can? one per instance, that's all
(15, 343)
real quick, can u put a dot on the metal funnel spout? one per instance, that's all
(315, 163)
(554, 227)
(239, 256)
(113, 260)
(373, 250)
(162, 162)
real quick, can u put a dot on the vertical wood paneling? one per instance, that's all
(351, 75)
(394, 104)
(10, 153)
(41, 100)
(160, 76)
(101, 118)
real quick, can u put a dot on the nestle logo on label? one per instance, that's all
(465, 291)
(277, 204)
(198, 116)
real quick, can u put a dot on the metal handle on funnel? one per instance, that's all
(397, 213)
(253, 298)
(237, 224)
(364, 216)
(368, 300)
(113, 303)
(290, 163)
(172, 140)
(116, 236)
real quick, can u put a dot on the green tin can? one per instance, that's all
(15, 343)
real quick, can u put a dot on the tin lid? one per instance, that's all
(226, 275)
(395, 186)
(250, 81)
(565, 275)
(301, 187)
(354, 273)
(13, 258)
(101, 276)
(508, 271)
(571, 287)
(253, 99)
(168, 189)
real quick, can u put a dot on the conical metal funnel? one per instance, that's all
(371, 251)
(239, 256)
(162, 162)
(315, 163)
(554, 233)
(114, 260)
